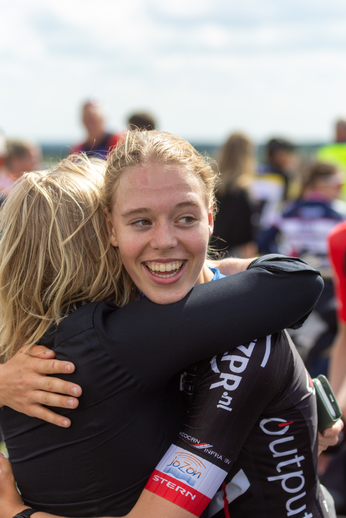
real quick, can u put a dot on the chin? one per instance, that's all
(168, 298)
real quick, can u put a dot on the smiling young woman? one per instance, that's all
(161, 222)
(160, 199)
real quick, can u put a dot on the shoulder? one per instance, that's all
(278, 262)
(83, 319)
(113, 139)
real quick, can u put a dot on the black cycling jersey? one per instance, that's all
(253, 420)
(129, 413)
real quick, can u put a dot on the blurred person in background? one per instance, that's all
(99, 140)
(274, 181)
(21, 157)
(302, 231)
(335, 152)
(141, 121)
(233, 230)
(337, 368)
(334, 476)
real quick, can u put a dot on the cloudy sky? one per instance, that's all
(204, 68)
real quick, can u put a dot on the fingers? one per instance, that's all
(325, 442)
(334, 430)
(56, 400)
(57, 385)
(53, 367)
(39, 351)
(330, 436)
(41, 360)
(47, 415)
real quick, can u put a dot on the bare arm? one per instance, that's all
(230, 265)
(25, 386)
(337, 367)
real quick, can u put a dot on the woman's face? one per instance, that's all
(161, 223)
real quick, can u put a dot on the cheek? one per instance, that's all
(199, 242)
(129, 250)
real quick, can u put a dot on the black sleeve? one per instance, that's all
(154, 342)
(230, 389)
(250, 409)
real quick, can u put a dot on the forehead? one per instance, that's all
(155, 180)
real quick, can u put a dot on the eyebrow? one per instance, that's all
(144, 210)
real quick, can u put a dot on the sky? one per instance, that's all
(203, 68)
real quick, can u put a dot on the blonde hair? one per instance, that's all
(54, 251)
(142, 147)
(236, 163)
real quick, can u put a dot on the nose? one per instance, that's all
(163, 236)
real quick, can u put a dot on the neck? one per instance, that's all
(206, 275)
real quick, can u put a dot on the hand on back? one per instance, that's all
(25, 386)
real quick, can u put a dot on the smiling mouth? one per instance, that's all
(164, 270)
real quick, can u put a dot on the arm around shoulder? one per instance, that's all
(297, 283)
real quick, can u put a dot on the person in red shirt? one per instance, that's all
(337, 369)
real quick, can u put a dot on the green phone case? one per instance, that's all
(328, 409)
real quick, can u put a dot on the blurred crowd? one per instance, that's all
(273, 201)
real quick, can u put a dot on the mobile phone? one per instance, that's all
(328, 410)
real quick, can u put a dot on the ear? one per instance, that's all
(111, 231)
(210, 221)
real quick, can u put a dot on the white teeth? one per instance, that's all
(165, 267)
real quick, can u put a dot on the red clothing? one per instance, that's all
(337, 251)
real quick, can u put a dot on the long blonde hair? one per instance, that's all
(142, 147)
(54, 251)
(236, 163)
